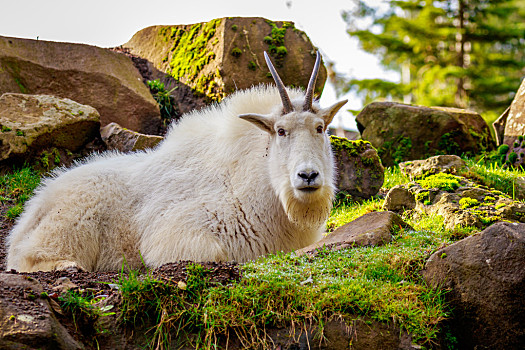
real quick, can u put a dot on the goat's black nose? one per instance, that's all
(308, 177)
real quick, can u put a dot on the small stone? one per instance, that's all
(181, 285)
(399, 198)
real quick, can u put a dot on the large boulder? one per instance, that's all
(27, 318)
(87, 74)
(36, 125)
(485, 276)
(359, 169)
(403, 132)
(515, 120)
(218, 57)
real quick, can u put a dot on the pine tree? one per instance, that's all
(459, 53)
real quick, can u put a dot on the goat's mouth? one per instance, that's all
(309, 189)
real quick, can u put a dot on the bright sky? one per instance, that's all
(111, 23)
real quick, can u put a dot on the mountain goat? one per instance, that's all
(250, 176)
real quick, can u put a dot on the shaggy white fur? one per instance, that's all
(217, 188)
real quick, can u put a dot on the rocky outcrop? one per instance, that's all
(458, 200)
(32, 125)
(121, 139)
(218, 57)
(89, 75)
(402, 132)
(449, 164)
(515, 121)
(359, 169)
(27, 318)
(372, 229)
(486, 281)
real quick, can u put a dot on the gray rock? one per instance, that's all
(402, 132)
(372, 229)
(499, 126)
(486, 277)
(27, 319)
(118, 138)
(450, 164)
(90, 75)
(399, 198)
(515, 121)
(33, 123)
(359, 169)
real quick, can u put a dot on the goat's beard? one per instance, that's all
(309, 209)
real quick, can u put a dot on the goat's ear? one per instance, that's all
(261, 121)
(329, 113)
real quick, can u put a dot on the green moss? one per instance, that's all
(236, 52)
(6, 128)
(500, 205)
(402, 150)
(442, 181)
(513, 157)
(352, 148)
(422, 196)
(468, 202)
(503, 149)
(234, 27)
(520, 138)
(489, 199)
(20, 133)
(448, 145)
(275, 41)
(252, 65)
(190, 53)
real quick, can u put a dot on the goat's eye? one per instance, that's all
(320, 129)
(281, 132)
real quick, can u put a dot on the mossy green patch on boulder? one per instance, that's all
(359, 169)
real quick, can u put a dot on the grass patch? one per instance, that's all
(380, 283)
(346, 210)
(493, 175)
(16, 188)
(83, 309)
(394, 177)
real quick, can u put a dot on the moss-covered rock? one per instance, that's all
(402, 132)
(218, 57)
(359, 169)
(43, 129)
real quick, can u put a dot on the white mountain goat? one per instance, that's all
(250, 176)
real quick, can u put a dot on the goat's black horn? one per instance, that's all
(287, 104)
(309, 96)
